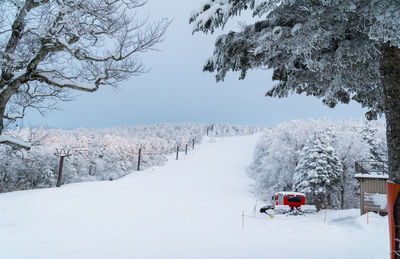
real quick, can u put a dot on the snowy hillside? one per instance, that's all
(190, 208)
(99, 154)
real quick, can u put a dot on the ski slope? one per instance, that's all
(190, 208)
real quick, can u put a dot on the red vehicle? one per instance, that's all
(292, 199)
(293, 203)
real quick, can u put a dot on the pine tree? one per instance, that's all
(319, 173)
(377, 147)
(335, 50)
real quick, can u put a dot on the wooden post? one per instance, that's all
(177, 152)
(207, 130)
(60, 169)
(342, 197)
(186, 149)
(61, 154)
(193, 144)
(139, 157)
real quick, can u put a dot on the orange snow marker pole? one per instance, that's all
(392, 190)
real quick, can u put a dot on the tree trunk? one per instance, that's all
(5, 96)
(390, 70)
(2, 110)
(342, 188)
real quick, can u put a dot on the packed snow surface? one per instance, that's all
(190, 208)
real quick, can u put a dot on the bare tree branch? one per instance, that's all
(48, 46)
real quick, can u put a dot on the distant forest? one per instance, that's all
(99, 154)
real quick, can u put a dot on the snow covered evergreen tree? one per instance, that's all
(336, 50)
(278, 152)
(319, 173)
(377, 148)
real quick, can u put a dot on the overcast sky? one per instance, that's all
(176, 90)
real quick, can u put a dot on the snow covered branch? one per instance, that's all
(80, 45)
(14, 142)
(52, 80)
(214, 14)
(336, 62)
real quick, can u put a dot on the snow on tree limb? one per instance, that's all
(50, 45)
(328, 49)
(214, 14)
(50, 79)
(15, 142)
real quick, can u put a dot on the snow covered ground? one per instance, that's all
(191, 208)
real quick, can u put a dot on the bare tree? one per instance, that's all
(50, 46)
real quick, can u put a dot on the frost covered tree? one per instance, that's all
(98, 154)
(278, 152)
(335, 50)
(350, 148)
(377, 147)
(48, 46)
(319, 173)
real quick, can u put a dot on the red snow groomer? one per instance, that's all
(293, 203)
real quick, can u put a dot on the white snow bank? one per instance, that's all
(191, 208)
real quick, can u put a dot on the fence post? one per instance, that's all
(186, 149)
(61, 154)
(139, 157)
(193, 144)
(60, 169)
(177, 151)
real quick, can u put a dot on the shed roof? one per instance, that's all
(372, 176)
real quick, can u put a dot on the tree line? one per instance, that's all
(317, 157)
(98, 154)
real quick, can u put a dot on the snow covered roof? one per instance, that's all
(376, 176)
(290, 193)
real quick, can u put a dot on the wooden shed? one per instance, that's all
(372, 192)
